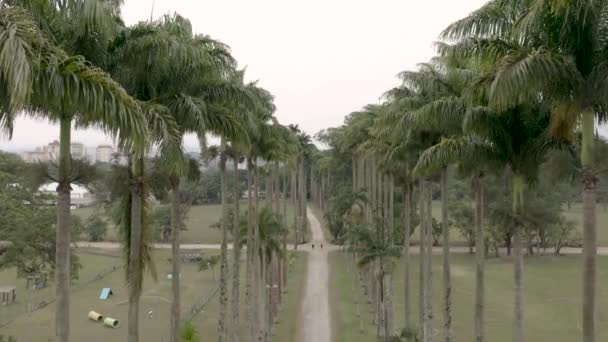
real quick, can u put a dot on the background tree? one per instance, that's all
(96, 227)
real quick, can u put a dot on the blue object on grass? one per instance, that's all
(106, 292)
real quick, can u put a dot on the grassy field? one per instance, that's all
(552, 299)
(199, 220)
(290, 312)
(196, 287)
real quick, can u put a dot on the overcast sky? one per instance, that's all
(322, 59)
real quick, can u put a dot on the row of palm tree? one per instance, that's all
(511, 81)
(75, 63)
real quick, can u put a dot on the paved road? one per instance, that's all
(315, 325)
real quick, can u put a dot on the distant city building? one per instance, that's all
(50, 152)
(103, 153)
(52, 149)
(35, 156)
(78, 151)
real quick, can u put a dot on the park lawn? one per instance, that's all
(575, 213)
(552, 299)
(199, 220)
(289, 316)
(345, 324)
(197, 287)
(206, 321)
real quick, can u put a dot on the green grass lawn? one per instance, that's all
(199, 220)
(575, 214)
(552, 299)
(196, 286)
(290, 312)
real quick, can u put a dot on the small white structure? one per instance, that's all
(79, 196)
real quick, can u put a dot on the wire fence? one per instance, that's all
(32, 300)
(200, 304)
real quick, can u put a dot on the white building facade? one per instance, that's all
(103, 153)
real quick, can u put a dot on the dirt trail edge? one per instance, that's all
(315, 325)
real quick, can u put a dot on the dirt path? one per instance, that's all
(315, 325)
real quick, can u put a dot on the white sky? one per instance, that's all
(322, 59)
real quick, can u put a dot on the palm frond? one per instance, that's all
(451, 150)
(443, 115)
(19, 41)
(492, 19)
(523, 77)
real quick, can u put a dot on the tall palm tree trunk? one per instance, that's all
(407, 225)
(589, 227)
(269, 195)
(391, 232)
(259, 268)
(262, 297)
(284, 216)
(250, 290)
(518, 261)
(387, 231)
(447, 281)
(429, 266)
(236, 250)
(422, 259)
(270, 276)
(479, 262)
(302, 184)
(294, 203)
(221, 326)
(175, 265)
(135, 273)
(62, 246)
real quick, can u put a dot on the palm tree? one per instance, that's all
(374, 246)
(267, 145)
(262, 111)
(222, 328)
(88, 96)
(418, 97)
(564, 63)
(435, 98)
(236, 246)
(270, 231)
(358, 138)
(400, 155)
(301, 160)
(189, 82)
(488, 136)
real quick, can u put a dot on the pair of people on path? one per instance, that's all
(313, 246)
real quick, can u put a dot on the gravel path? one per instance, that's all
(315, 325)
